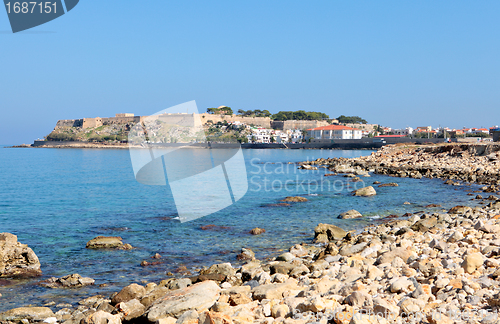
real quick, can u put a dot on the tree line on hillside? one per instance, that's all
(351, 120)
(287, 115)
(300, 115)
(254, 113)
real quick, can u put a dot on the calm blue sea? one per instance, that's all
(55, 200)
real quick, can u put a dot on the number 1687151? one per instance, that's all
(31, 7)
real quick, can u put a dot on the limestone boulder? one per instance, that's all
(459, 210)
(131, 309)
(29, 313)
(330, 232)
(472, 262)
(221, 268)
(105, 242)
(197, 297)
(350, 214)
(133, 291)
(365, 192)
(101, 317)
(17, 260)
(273, 291)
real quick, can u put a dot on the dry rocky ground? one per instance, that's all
(427, 268)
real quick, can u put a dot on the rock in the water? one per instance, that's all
(196, 297)
(105, 242)
(350, 214)
(17, 260)
(257, 231)
(365, 192)
(391, 184)
(330, 232)
(246, 254)
(29, 313)
(295, 199)
(69, 281)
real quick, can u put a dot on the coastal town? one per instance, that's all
(260, 127)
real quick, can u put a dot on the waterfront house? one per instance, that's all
(334, 132)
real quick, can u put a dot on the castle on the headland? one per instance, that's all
(98, 121)
(205, 118)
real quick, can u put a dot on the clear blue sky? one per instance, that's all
(396, 63)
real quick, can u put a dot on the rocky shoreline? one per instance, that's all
(473, 163)
(426, 268)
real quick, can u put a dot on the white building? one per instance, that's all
(295, 135)
(334, 132)
(407, 131)
(260, 135)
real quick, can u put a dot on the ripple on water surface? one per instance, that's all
(57, 200)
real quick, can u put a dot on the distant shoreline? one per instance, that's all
(355, 144)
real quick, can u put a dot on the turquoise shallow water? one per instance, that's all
(55, 200)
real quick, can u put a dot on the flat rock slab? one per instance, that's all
(175, 303)
(273, 291)
(70, 281)
(105, 242)
(390, 184)
(29, 313)
(295, 199)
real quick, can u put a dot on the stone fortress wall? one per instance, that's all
(301, 124)
(188, 120)
(365, 127)
(256, 121)
(98, 121)
(191, 120)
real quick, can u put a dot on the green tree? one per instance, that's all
(299, 115)
(222, 111)
(351, 120)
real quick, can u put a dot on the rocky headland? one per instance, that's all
(429, 267)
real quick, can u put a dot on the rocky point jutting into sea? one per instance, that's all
(428, 267)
